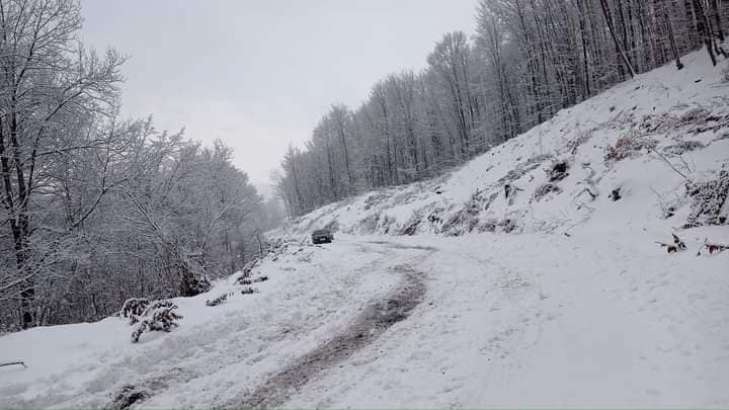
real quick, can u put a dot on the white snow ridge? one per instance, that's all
(530, 276)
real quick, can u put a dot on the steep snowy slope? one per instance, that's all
(494, 286)
(661, 120)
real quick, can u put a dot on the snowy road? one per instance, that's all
(482, 320)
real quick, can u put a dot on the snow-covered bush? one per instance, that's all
(678, 245)
(249, 281)
(411, 226)
(6, 328)
(488, 225)
(217, 301)
(133, 308)
(615, 194)
(127, 396)
(558, 171)
(160, 315)
(545, 189)
(574, 144)
(629, 146)
(386, 223)
(248, 290)
(464, 220)
(710, 205)
(193, 283)
(510, 191)
(248, 268)
(508, 225)
(683, 147)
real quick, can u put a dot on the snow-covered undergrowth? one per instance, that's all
(643, 139)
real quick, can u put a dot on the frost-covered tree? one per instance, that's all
(527, 60)
(93, 209)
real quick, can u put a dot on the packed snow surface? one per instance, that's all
(455, 293)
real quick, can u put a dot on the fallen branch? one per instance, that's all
(652, 149)
(13, 364)
(677, 245)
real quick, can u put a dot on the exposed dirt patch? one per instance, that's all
(369, 325)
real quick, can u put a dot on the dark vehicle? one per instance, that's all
(322, 236)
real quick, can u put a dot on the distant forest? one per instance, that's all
(527, 60)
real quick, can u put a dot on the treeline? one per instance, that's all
(527, 60)
(94, 209)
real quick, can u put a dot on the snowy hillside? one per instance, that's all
(531, 276)
(663, 119)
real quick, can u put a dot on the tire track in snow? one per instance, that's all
(368, 326)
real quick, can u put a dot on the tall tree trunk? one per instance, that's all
(717, 19)
(611, 28)
(703, 29)
(672, 40)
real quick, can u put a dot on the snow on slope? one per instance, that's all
(577, 306)
(669, 106)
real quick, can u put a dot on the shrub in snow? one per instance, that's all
(248, 268)
(261, 279)
(488, 225)
(677, 245)
(245, 281)
(507, 225)
(434, 217)
(193, 284)
(374, 199)
(133, 308)
(386, 223)
(710, 205)
(629, 146)
(217, 301)
(615, 194)
(127, 396)
(683, 147)
(411, 226)
(248, 290)
(464, 220)
(510, 191)
(558, 171)
(544, 190)
(7, 328)
(575, 143)
(159, 316)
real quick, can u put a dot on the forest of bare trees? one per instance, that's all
(527, 60)
(93, 208)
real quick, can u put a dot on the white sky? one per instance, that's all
(259, 74)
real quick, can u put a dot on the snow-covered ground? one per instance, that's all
(568, 302)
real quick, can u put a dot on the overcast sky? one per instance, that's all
(259, 74)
